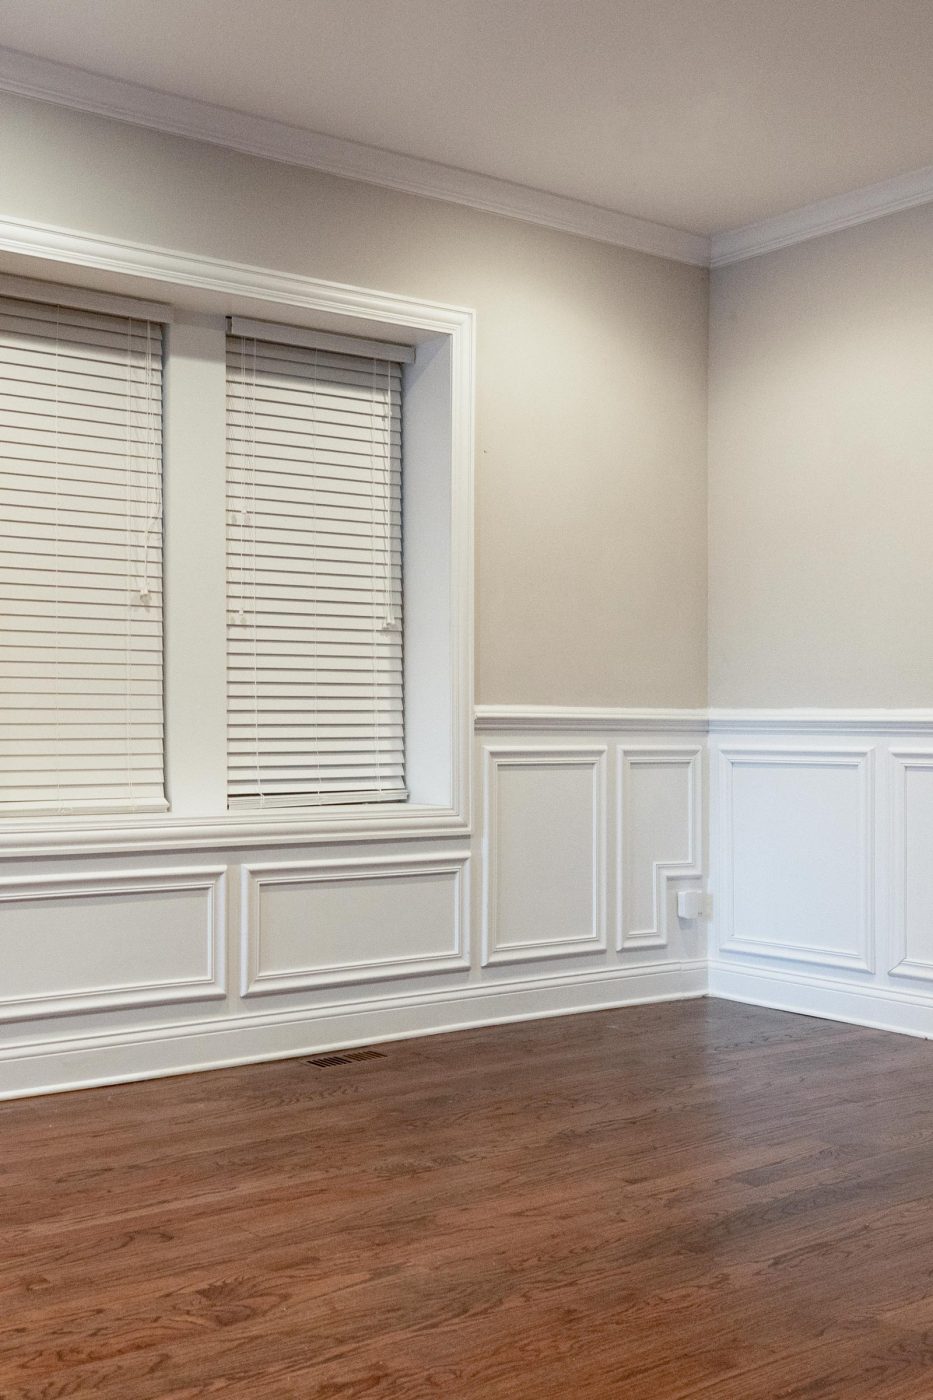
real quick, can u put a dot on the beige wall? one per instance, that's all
(821, 471)
(591, 385)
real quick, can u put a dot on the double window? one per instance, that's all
(315, 708)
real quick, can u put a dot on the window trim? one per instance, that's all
(113, 261)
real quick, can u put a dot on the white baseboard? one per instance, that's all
(183, 1048)
(828, 998)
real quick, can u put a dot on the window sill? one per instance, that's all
(138, 834)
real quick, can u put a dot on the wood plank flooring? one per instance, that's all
(696, 1199)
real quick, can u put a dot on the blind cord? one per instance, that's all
(152, 479)
(377, 737)
(315, 602)
(59, 793)
(128, 539)
(250, 516)
(390, 619)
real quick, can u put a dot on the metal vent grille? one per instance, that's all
(346, 1058)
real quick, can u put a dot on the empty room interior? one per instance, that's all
(466, 699)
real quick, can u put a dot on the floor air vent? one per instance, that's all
(326, 1061)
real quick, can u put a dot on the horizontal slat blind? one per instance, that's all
(314, 576)
(80, 560)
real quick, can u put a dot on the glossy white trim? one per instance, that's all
(665, 873)
(829, 998)
(823, 216)
(594, 940)
(211, 881)
(657, 719)
(903, 762)
(255, 878)
(819, 721)
(732, 940)
(80, 90)
(530, 718)
(114, 1056)
(259, 136)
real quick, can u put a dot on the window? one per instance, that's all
(314, 568)
(282, 695)
(80, 554)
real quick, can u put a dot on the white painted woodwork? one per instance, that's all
(660, 839)
(912, 886)
(796, 854)
(70, 86)
(358, 941)
(327, 922)
(545, 845)
(105, 941)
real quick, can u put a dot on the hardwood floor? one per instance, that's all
(692, 1199)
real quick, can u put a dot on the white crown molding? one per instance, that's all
(76, 88)
(824, 216)
(273, 140)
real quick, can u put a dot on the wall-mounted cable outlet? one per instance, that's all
(691, 904)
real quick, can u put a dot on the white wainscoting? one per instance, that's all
(796, 841)
(563, 900)
(822, 864)
(559, 901)
(327, 922)
(544, 852)
(103, 941)
(660, 846)
(912, 883)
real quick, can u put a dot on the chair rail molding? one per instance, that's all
(529, 719)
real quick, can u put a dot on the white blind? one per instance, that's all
(80, 559)
(314, 571)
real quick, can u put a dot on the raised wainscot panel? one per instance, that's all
(796, 854)
(913, 865)
(660, 837)
(544, 861)
(324, 923)
(98, 942)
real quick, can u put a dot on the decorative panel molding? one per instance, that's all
(326, 922)
(103, 941)
(796, 854)
(912, 875)
(544, 852)
(660, 804)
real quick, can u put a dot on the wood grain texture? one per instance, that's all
(697, 1199)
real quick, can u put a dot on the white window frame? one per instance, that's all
(438, 399)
